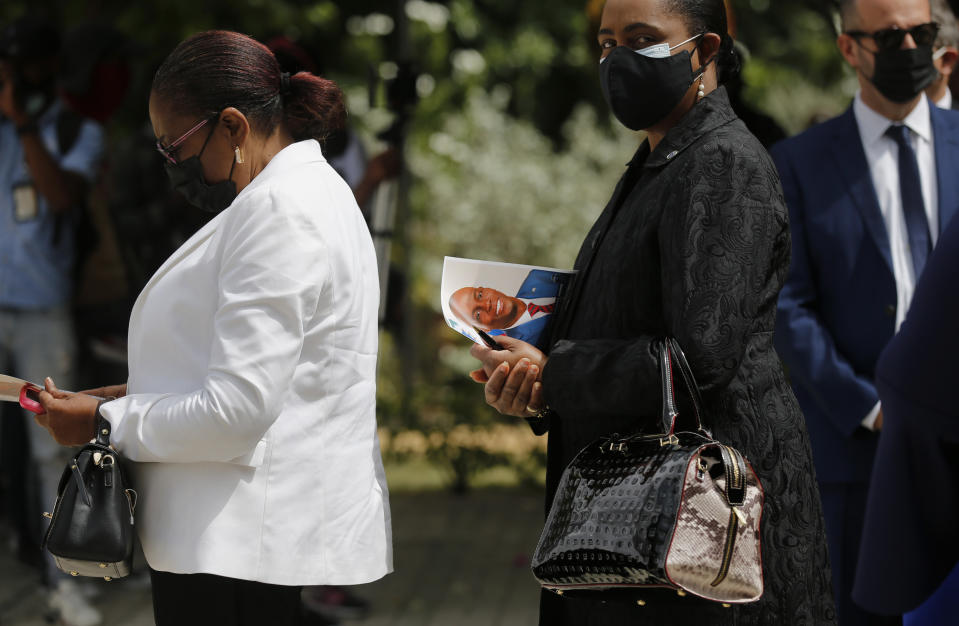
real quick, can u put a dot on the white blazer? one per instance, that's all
(251, 407)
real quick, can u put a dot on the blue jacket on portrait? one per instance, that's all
(538, 284)
(837, 310)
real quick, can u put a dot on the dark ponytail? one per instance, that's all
(709, 16)
(217, 69)
(728, 61)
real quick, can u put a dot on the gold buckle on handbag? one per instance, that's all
(614, 447)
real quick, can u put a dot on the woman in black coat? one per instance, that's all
(694, 244)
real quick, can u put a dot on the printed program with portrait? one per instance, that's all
(499, 298)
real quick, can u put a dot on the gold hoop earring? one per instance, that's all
(700, 93)
(238, 154)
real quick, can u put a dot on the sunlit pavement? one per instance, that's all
(460, 560)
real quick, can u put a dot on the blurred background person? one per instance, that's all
(49, 157)
(945, 55)
(868, 194)
(910, 549)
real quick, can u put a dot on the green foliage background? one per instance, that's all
(511, 149)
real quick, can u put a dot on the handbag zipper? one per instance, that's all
(735, 517)
(736, 476)
(728, 547)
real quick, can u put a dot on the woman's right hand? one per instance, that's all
(110, 391)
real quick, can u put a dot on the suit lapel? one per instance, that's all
(851, 160)
(947, 156)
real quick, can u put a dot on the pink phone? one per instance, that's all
(30, 399)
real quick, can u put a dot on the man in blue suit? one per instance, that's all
(521, 317)
(868, 193)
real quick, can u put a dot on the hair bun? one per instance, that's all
(314, 107)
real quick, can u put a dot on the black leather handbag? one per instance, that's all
(91, 528)
(676, 510)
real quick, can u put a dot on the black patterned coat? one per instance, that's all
(694, 244)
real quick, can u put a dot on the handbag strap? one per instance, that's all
(104, 428)
(671, 357)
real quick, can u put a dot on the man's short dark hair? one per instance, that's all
(847, 13)
(849, 17)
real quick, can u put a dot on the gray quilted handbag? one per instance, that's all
(675, 510)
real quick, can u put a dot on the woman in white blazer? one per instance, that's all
(250, 405)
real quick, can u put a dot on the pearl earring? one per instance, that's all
(701, 92)
(239, 155)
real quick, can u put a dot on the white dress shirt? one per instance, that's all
(251, 414)
(946, 101)
(882, 155)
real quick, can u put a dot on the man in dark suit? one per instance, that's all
(868, 193)
(914, 493)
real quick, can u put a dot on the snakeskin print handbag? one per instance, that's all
(677, 510)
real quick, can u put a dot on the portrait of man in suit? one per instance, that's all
(523, 316)
(868, 194)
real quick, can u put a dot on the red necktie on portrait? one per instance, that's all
(533, 309)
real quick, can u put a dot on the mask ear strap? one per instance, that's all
(216, 120)
(703, 66)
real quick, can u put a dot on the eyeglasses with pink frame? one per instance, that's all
(167, 151)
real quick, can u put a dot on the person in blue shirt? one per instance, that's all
(521, 317)
(48, 158)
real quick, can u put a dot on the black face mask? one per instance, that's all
(642, 90)
(187, 178)
(901, 75)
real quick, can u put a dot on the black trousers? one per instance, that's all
(205, 600)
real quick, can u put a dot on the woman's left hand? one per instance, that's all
(511, 376)
(70, 418)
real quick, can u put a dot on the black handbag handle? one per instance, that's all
(671, 357)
